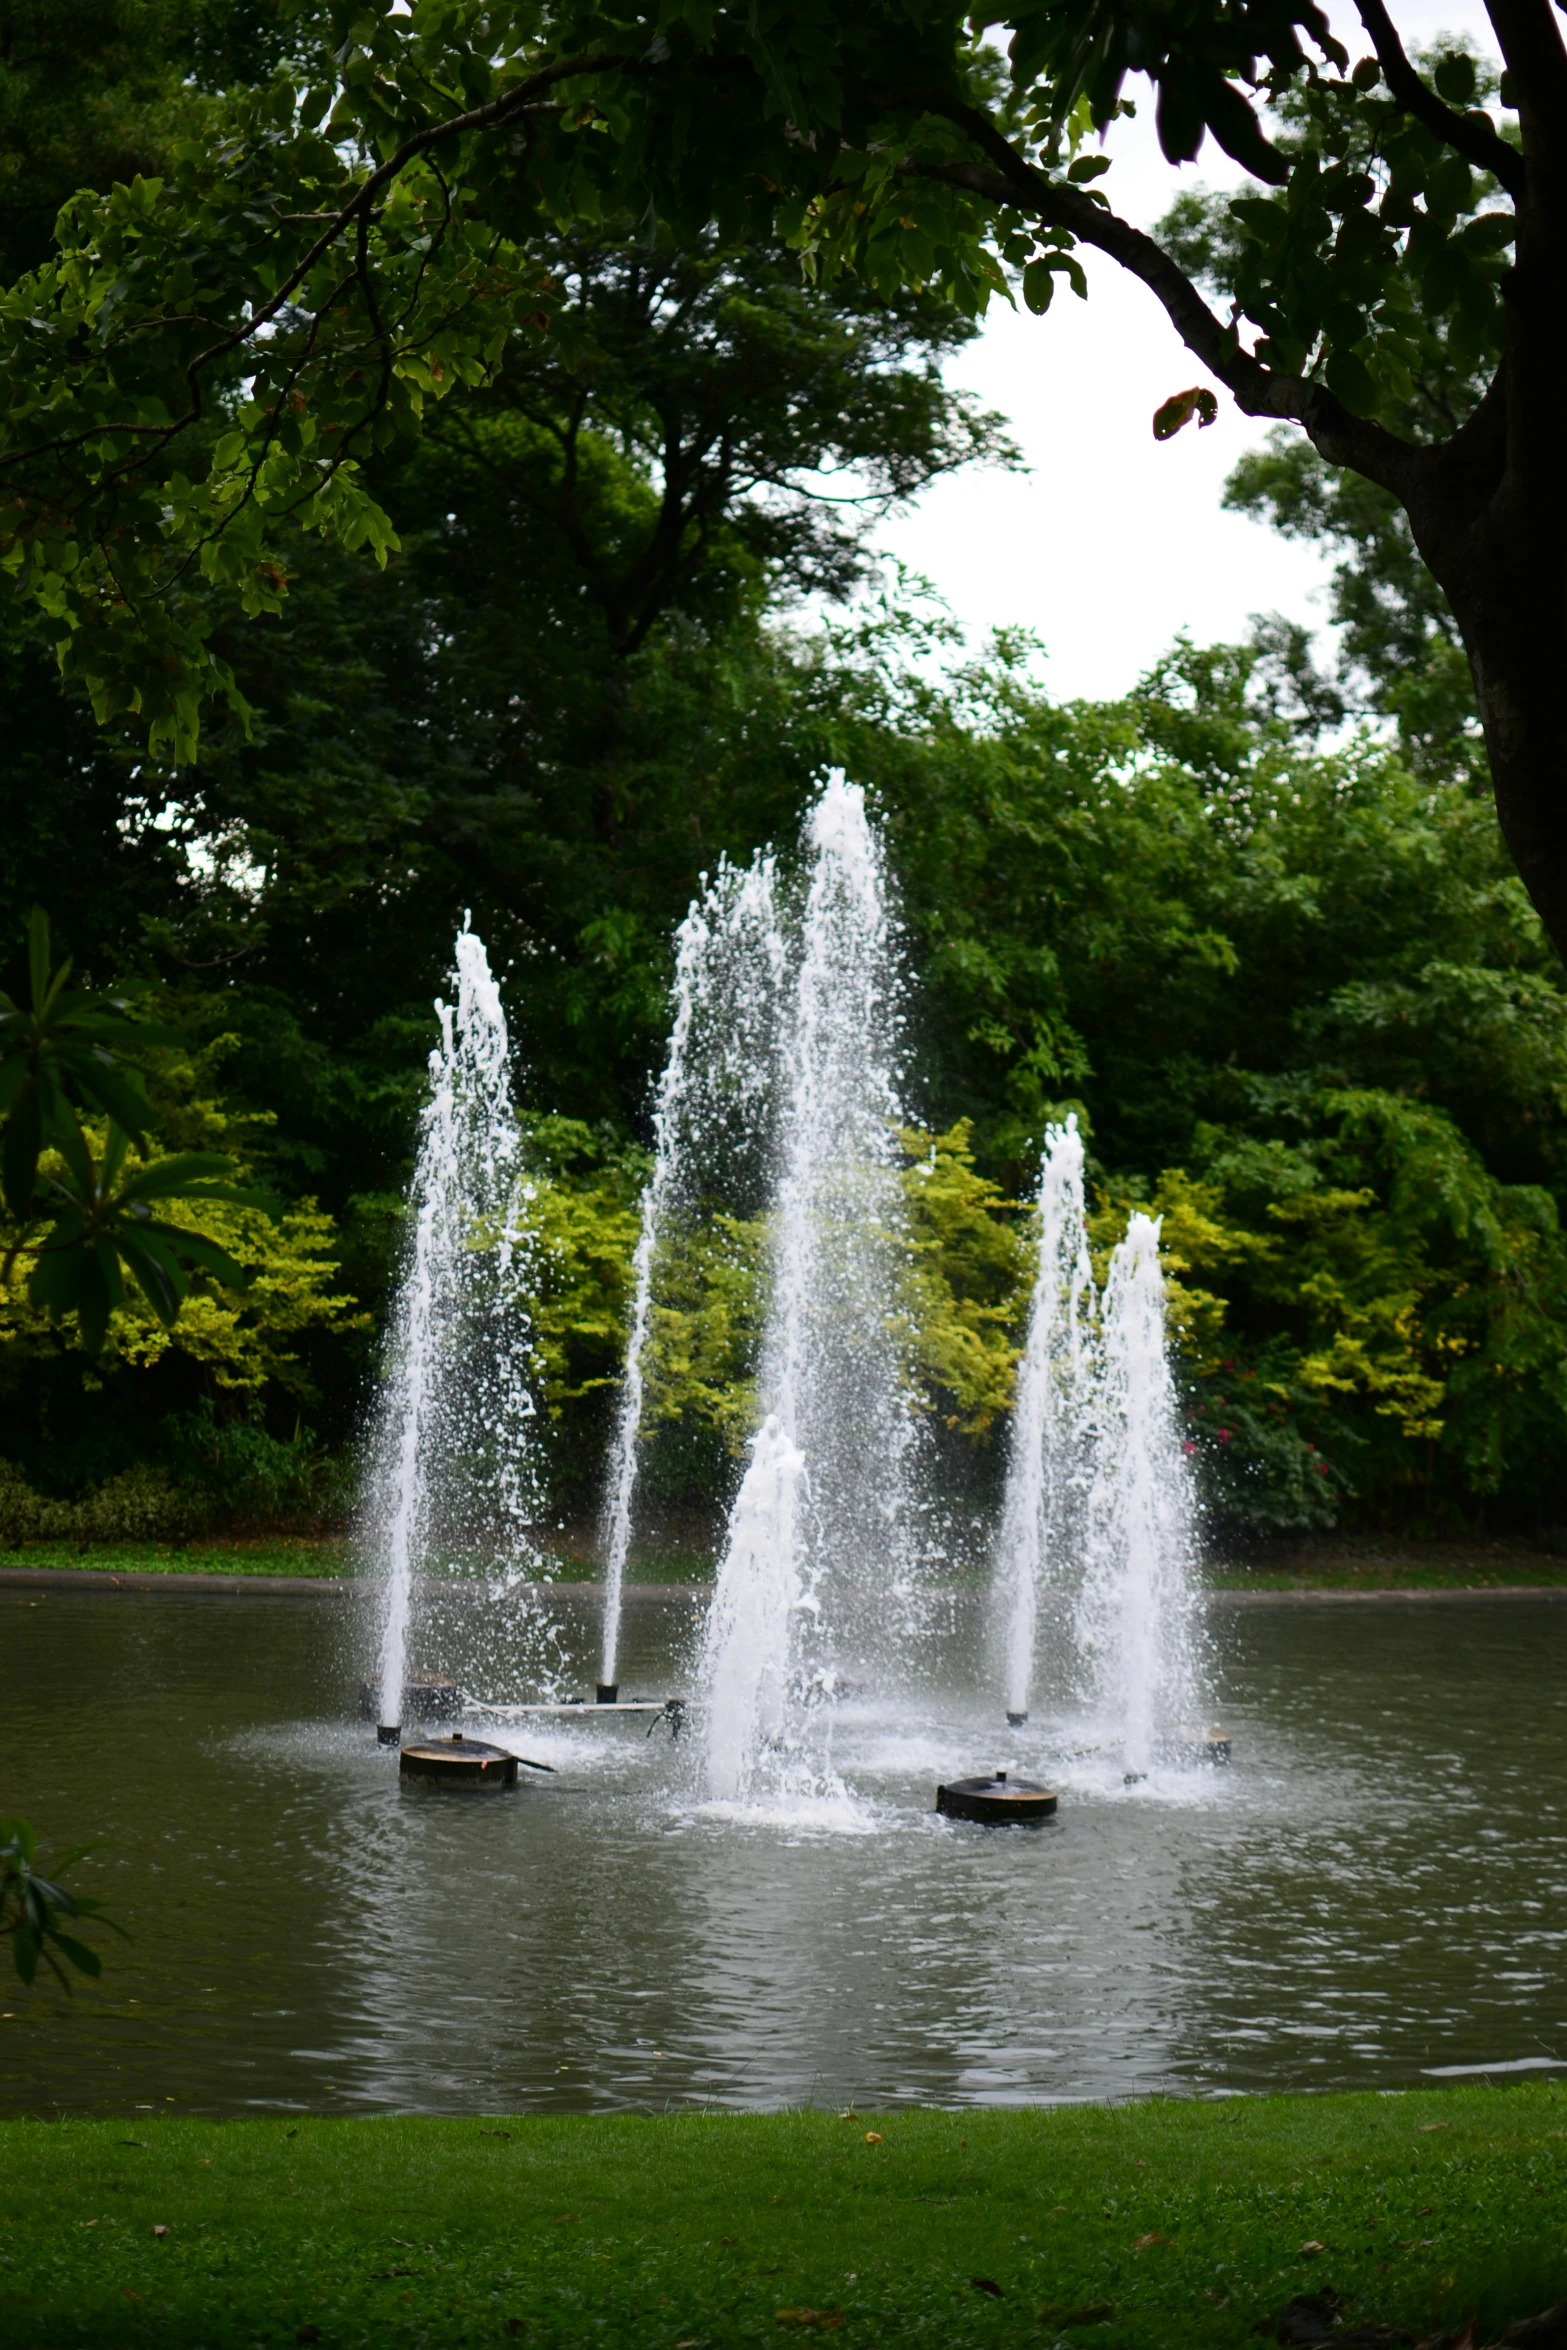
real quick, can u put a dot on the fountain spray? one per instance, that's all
(728, 968)
(1137, 1609)
(1049, 1460)
(456, 1426)
(822, 1503)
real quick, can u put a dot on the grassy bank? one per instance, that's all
(1342, 1563)
(1339, 1567)
(301, 1555)
(1148, 2227)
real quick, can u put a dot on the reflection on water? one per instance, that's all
(1372, 1893)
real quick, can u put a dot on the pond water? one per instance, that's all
(1374, 1893)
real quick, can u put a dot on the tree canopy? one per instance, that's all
(1271, 954)
(216, 353)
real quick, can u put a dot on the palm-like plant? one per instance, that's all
(81, 1215)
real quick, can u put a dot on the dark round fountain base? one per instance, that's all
(608, 1693)
(998, 1801)
(389, 1734)
(1015, 1721)
(427, 1697)
(460, 1762)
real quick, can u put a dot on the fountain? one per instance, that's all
(728, 964)
(1137, 1607)
(820, 1511)
(784, 1060)
(1052, 1425)
(454, 1457)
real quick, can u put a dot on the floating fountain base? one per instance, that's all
(460, 1762)
(608, 1693)
(1015, 1721)
(1008, 1802)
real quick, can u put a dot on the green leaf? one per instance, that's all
(1179, 410)
(1038, 286)
(1350, 381)
(1455, 78)
(23, 1142)
(85, 1961)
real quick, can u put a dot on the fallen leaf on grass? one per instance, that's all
(159, 2229)
(1090, 2313)
(873, 2138)
(829, 2319)
(566, 2219)
(506, 2134)
(850, 2116)
(988, 2285)
(127, 2295)
(1433, 2125)
(1312, 2245)
(141, 2142)
(1147, 2243)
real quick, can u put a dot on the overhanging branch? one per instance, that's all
(1258, 390)
(1469, 135)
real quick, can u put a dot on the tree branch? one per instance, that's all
(1531, 44)
(492, 116)
(1343, 438)
(479, 118)
(1469, 135)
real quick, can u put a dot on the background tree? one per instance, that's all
(218, 354)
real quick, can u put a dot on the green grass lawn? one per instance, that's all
(278, 1554)
(1438, 1567)
(1336, 1567)
(1161, 2226)
(303, 1555)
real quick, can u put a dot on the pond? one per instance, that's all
(1373, 1893)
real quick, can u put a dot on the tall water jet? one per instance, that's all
(1049, 1461)
(1137, 1610)
(820, 1510)
(728, 967)
(454, 1455)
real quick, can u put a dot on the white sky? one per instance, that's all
(1112, 542)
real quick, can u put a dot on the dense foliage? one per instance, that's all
(1253, 921)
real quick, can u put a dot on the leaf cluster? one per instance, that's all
(81, 1216)
(35, 1909)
